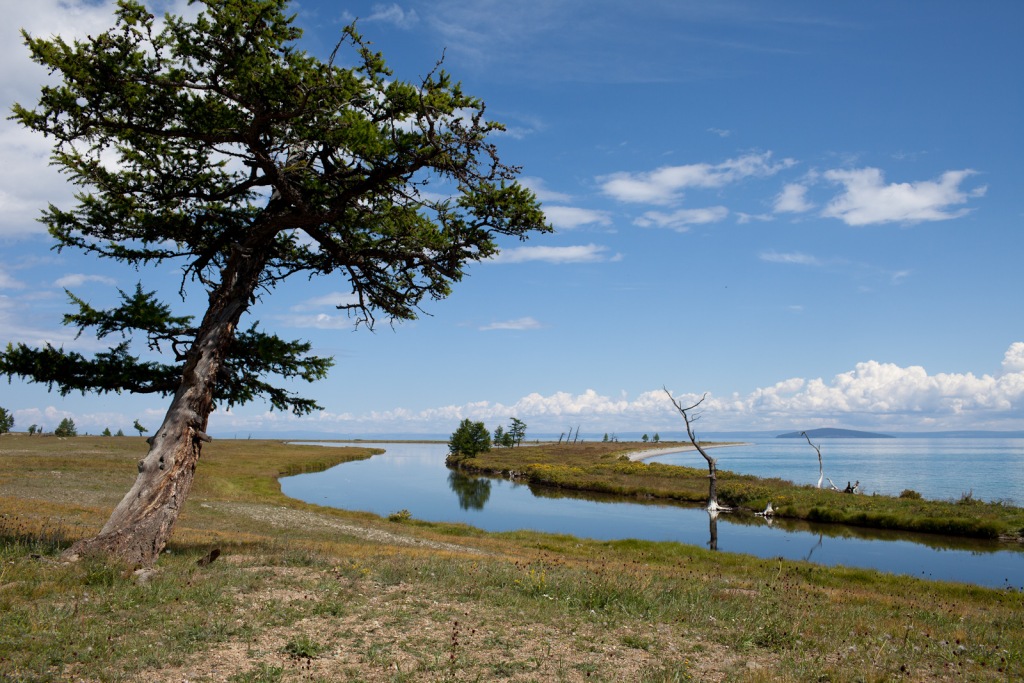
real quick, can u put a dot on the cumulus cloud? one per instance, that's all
(526, 323)
(868, 200)
(873, 395)
(681, 220)
(569, 217)
(793, 199)
(584, 253)
(29, 182)
(665, 185)
(1013, 360)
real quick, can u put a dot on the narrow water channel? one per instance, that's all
(413, 477)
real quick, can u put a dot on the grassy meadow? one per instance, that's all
(306, 593)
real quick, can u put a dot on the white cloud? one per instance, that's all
(319, 321)
(330, 300)
(793, 199)
(791, 257)
(79, 279)
(1013, 360)
(569, 217)
(543, 192)
(584, 253)
(681, 220)
(526, 323)
(29, 182)
(874, 395)
(664, 185)
(867, 200)
(720, 132)
(394, 14)
(8, 282)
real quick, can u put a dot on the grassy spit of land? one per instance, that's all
(307, 593)
(613, 468)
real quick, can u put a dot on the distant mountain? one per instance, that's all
(832, 433)
(962, 434)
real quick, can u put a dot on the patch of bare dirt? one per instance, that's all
(396, 633)
(283, 517)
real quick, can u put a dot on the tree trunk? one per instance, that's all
(688, 419)
(141, 524)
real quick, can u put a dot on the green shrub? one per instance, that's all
(402, 515)
(470, 439)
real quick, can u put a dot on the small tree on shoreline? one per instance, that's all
(470, 439)
(517, 430)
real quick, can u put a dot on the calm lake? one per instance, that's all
(413, 477)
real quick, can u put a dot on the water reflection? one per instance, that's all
(473, 492)
(413, 477)
(713, 529)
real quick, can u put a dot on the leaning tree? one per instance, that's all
(216, 143)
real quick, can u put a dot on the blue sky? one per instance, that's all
(810, 211)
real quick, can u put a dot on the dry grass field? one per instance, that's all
(305, 593)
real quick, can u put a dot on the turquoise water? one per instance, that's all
(413, 477)
(938, 468)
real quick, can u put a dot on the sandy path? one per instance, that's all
(654, 452)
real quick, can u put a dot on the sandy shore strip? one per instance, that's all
(655, 452)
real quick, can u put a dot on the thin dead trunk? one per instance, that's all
(141, 524)
(689, 419)
(821, 468)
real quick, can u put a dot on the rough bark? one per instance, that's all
(142, 522)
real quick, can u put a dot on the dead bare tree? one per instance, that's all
(689, 417)
(821, 469)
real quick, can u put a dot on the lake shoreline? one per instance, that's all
(616, 469)
(639, 456)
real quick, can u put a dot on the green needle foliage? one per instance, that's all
(219, 145)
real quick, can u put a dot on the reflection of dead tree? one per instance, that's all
(713, 529)
(821, 538)
(821, 470)
(689, 418)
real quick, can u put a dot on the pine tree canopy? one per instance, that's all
(217, 144)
